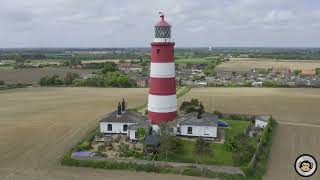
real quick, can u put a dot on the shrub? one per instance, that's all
(101, 148)
(85, 145)
(218, 113)
(175, 144)
(70, 76)
(51, 81)
(235, 117)
(2, 82)
(297, 72)
(202, 148)
(317, 71)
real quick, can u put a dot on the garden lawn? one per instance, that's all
(219, 157)
(235, 127)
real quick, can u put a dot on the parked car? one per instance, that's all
(223, 124)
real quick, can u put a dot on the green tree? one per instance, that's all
(141, 133)
(109, 67)
(297, 72)
(164, 140)
(175, 144)
(209, 69)
(317, 71)
(51, 81)
(202, 148)
(70, 76)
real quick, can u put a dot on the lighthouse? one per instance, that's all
(162, 100)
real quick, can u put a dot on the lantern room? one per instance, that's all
(162, 29)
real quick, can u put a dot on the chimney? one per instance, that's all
(199, 110)
(123, 106)
(119, 110)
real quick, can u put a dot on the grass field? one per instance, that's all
(32, 76)
(246, 64)
(296, 110)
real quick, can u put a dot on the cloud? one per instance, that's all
(100, 23)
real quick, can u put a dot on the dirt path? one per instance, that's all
(38, 125)
(296, 109)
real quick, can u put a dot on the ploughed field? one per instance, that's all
(296, 110)
(247, 64)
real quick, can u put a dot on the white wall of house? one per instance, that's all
(261, 124)
(132, 134)
(202, 131)
(117, 127)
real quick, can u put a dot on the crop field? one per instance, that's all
(39, 125)
(32, 76)
(247, 64)
(296, 110)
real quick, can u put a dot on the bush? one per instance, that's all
(101, 148)
(175, 144)
(2, 82)
(218, 113)
(70, 76)
(51, 81)
(236, 117)
(84, 146)
(297, 72)
(317, 71)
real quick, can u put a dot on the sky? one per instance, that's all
(129, 23)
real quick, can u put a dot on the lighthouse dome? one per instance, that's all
(162, 22)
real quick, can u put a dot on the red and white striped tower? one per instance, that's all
(162, 101)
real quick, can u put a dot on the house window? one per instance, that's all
(125, 127)
(189, 130)
(158, 51)
(178, 130)
(109, 127)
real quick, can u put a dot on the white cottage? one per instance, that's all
(126, 122)
(198, 125)
(261, 121)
